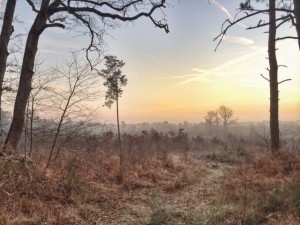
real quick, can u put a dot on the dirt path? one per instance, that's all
(189, 205)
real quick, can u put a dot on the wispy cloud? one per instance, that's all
(151, 56)
(200, 70)
(226, 11)
(209, 76)
(223, 9)
(58, 44)
(238, 40)
(50, 51)
(182, 76)
(249, 83)
(201, 77)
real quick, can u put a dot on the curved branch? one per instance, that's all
(32, 6)
(259, 25)
(254, 12)
(110, 5)
(92, 37)
(75, 10)
(223, 31)
(55, 25)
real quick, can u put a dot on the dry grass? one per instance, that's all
(265, 191)
(80, 188)
(83, 188)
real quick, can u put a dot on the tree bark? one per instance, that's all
(297, 18)
(273, 75)
(6, 32)
(24, 89)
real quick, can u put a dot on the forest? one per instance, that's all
(63, 161)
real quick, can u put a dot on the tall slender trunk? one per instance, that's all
(31, 126)
(297, 18)
(121, 155)
(24, 89)
(118, 123)
(55, 138)
(273, 75)
(6, 32)
(26, 130)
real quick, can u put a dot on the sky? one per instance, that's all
(179, 76)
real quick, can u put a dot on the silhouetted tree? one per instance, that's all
(212, 118)
(114, 81)
(291, 7)
(94, 16)
(6, 31)
(273, 78)
(297, 19)
(274, 22)
(226, 115)
(209, 118)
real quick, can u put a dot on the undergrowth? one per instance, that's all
(80, 187)
(263, 191)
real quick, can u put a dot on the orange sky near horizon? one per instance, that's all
(235, 83)
(194, 79)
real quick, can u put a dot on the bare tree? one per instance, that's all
(212, 118)
(114, 81)
(7, 30)
(41, 86)
(275, 21)
(273, 78)
(96, 17)
(290, 7)
(297, 19)
(209, 118)
(226, 115)
(262, 135)
(81, 88)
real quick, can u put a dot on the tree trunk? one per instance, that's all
(120, 144)
(273, 75)
(6, 32)
(24, 89)
(31, 126)
(297, 17)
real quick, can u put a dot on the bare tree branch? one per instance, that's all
(287, 37)
(264, 77)
(284, 81)
(32, 6)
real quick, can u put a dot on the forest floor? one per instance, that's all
(214, 188)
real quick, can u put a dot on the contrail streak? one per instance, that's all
(226, 11)
(223, 9)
